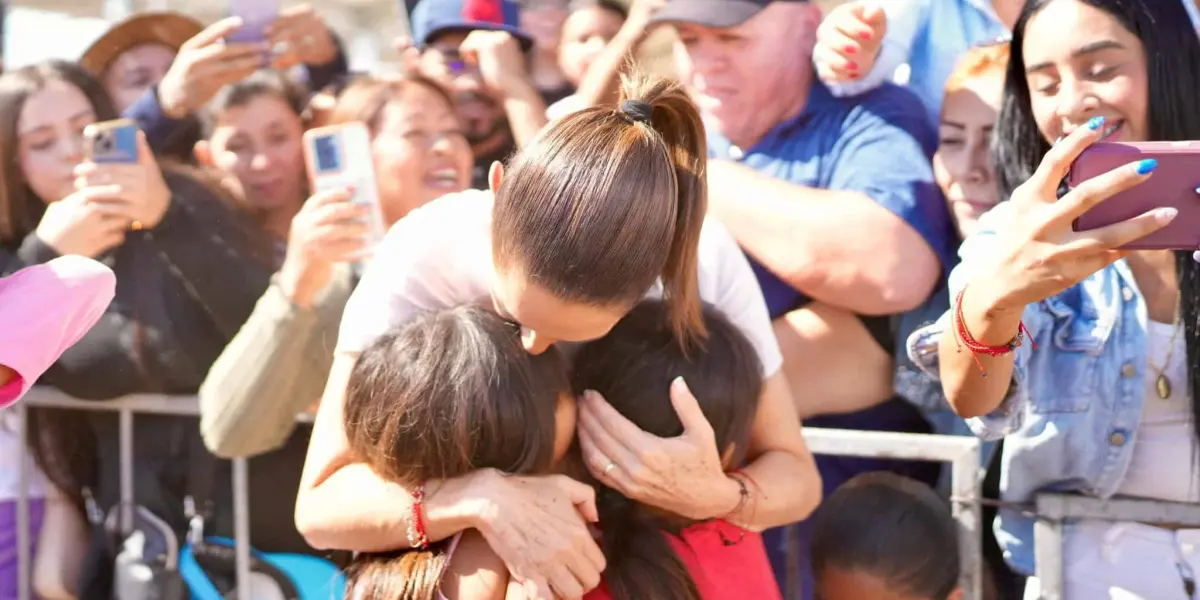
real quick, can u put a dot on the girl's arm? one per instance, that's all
(475, 572)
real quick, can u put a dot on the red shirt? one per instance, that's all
(721, 572)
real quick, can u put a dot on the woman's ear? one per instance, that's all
(495, 176)
(203, 153)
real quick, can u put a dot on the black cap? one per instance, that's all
(711, 13)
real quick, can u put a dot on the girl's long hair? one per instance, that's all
(632, 368)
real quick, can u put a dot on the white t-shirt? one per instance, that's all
(440, 256)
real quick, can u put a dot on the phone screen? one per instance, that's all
(328, 154)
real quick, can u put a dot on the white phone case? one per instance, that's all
(339, 156)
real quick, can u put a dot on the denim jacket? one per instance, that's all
(1070, 421)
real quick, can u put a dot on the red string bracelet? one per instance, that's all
(416, 526)
(964, 337)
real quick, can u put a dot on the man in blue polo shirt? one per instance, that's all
(833, 200)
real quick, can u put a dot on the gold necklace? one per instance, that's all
(1162, 384)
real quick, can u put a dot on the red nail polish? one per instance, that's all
(866, 36)
(850, 49)
(852, 65)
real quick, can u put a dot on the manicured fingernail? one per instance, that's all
(850, 49)
(1166, 214)
(1095, 123)
(865, 36)
(852, 65)
(1147, 166)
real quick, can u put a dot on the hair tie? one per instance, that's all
(636, 111)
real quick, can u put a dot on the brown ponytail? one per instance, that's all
(604, 203)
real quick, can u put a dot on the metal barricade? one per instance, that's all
(1053, 510)
(961, 452)
(966, 481)
(126, 408)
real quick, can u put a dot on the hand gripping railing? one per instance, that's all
(961, 452)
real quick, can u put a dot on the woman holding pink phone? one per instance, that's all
(1086, 358)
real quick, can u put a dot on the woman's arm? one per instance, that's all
(273, 369)
(785, 484)
(970, 393)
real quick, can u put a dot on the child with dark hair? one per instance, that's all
(449, 392)
(453, 391)
(885, 537)
(631, 367)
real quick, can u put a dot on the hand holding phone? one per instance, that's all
(338, 157)
(1175, 184)
(1035, 252)
(120, 170)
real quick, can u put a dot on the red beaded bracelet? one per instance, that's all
(416, 526)
(964, 337)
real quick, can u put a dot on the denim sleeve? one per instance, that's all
(906, 18)
(1010, 415)
(884, 151)
(150, 119)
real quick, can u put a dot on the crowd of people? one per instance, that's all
(578, 363)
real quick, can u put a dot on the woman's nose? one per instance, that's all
(533, 342)
(260, 161)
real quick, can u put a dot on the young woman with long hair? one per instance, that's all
(1098, 395)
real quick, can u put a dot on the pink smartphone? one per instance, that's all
(1174, 184)
(256, 16)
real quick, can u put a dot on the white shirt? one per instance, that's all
(12, 453)
(440, 256)
(1165, 464)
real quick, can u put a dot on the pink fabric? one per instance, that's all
(44, 310)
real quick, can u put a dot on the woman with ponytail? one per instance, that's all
(606, 207)
(1084, 356)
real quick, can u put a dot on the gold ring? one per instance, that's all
(136, 225)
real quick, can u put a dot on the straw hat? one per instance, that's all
(170, 29)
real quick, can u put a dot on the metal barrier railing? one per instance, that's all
(1053, 510)
(961, 452)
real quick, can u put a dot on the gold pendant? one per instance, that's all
(1163, 385)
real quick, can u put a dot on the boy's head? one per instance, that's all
(633, 366)
(452, 391)
(885, 537)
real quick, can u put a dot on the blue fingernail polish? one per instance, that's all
(1095, 123)
(1146, 166)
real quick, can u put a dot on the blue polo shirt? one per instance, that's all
(879, 144)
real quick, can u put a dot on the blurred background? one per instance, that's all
(36, 30)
